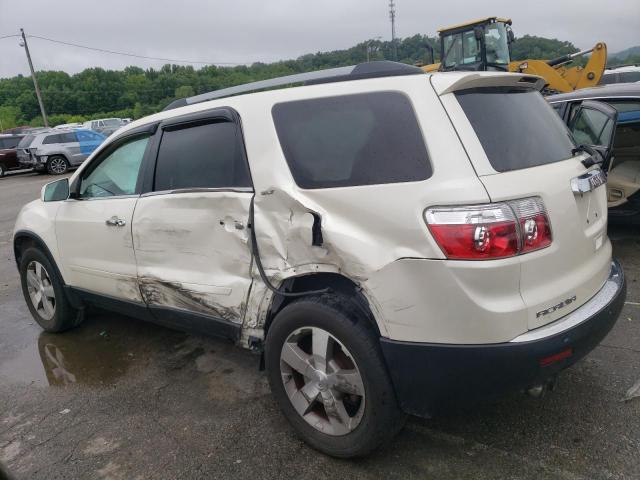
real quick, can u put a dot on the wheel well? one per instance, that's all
(24, 240)
(335, 282)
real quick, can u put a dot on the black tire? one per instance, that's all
(57, 165)
(64, 316)
(3, 170)
(382, 419)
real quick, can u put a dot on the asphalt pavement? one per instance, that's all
(121, 399)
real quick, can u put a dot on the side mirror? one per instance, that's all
(510, 35)
(55, 191)
(478, 32)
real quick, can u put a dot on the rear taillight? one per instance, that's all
(534, 223)
(490, 231)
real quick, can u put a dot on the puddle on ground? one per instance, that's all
(97, 353)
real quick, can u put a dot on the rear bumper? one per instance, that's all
(432, 377)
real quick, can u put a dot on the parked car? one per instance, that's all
(68, 126)
(390, 241)
(106, 126)
(622, 74)
(623, 169)
(56, 151)
(8, 155)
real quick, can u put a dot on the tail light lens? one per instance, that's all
(496, 230)
(534, 223)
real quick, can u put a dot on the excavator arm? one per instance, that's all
(561, 78)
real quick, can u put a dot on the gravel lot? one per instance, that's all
(121, 399)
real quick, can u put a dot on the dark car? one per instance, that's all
(623, 167)
(8, 153)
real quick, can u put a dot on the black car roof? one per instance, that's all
(602, 91)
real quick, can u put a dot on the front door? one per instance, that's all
(594, 124)
(94, 226)
(190, 232)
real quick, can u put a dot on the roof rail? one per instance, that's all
(383, 68)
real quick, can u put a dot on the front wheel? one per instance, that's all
(57, 165)
(43, 291)
(326, 372)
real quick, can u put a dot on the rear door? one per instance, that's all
(190, 230)
(71, 148)
(520, 148)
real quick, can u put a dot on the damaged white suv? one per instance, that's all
(393, 242)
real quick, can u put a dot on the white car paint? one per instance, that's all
(181, 252)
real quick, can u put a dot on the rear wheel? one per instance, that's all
(57, 165)
(44, 293)
(326, 372)
(3, 170)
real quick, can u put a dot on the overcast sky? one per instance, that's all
(268, 30)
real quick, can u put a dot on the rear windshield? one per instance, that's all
(517, 128)
(362, 139)
(26, 141)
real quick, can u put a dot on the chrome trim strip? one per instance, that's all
(597, 303)
(198, 190)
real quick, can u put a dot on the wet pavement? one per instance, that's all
(120, 399)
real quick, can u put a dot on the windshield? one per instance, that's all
(517, 128)
(26, 141)
(497, 44)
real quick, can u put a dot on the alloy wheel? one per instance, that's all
(58, 166)
(322, 381)
(40, 290)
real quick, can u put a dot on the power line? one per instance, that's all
(128, 54)
(9, 36)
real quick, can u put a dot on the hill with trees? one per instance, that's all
(135, 92)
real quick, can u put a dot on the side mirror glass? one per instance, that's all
(55, 191)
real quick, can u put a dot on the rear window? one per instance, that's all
(26, 141)
(517, 128)
(363, 139)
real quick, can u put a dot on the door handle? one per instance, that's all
(115, 222)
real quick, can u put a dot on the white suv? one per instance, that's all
(391, 241)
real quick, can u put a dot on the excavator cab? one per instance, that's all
(480, 45)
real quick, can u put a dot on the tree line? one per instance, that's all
(135, 92)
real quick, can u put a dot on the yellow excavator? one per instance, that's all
(485, 44)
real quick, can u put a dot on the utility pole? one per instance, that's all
(392, 16)
(35, 80)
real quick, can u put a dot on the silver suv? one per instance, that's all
(389, 241)
(55, 151)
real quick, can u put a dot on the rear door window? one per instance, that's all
(201, 156)
(517, 128)
(57, 138)
(363, 139)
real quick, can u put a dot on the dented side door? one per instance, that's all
(190, 232)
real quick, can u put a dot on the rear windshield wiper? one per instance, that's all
(587, 162)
